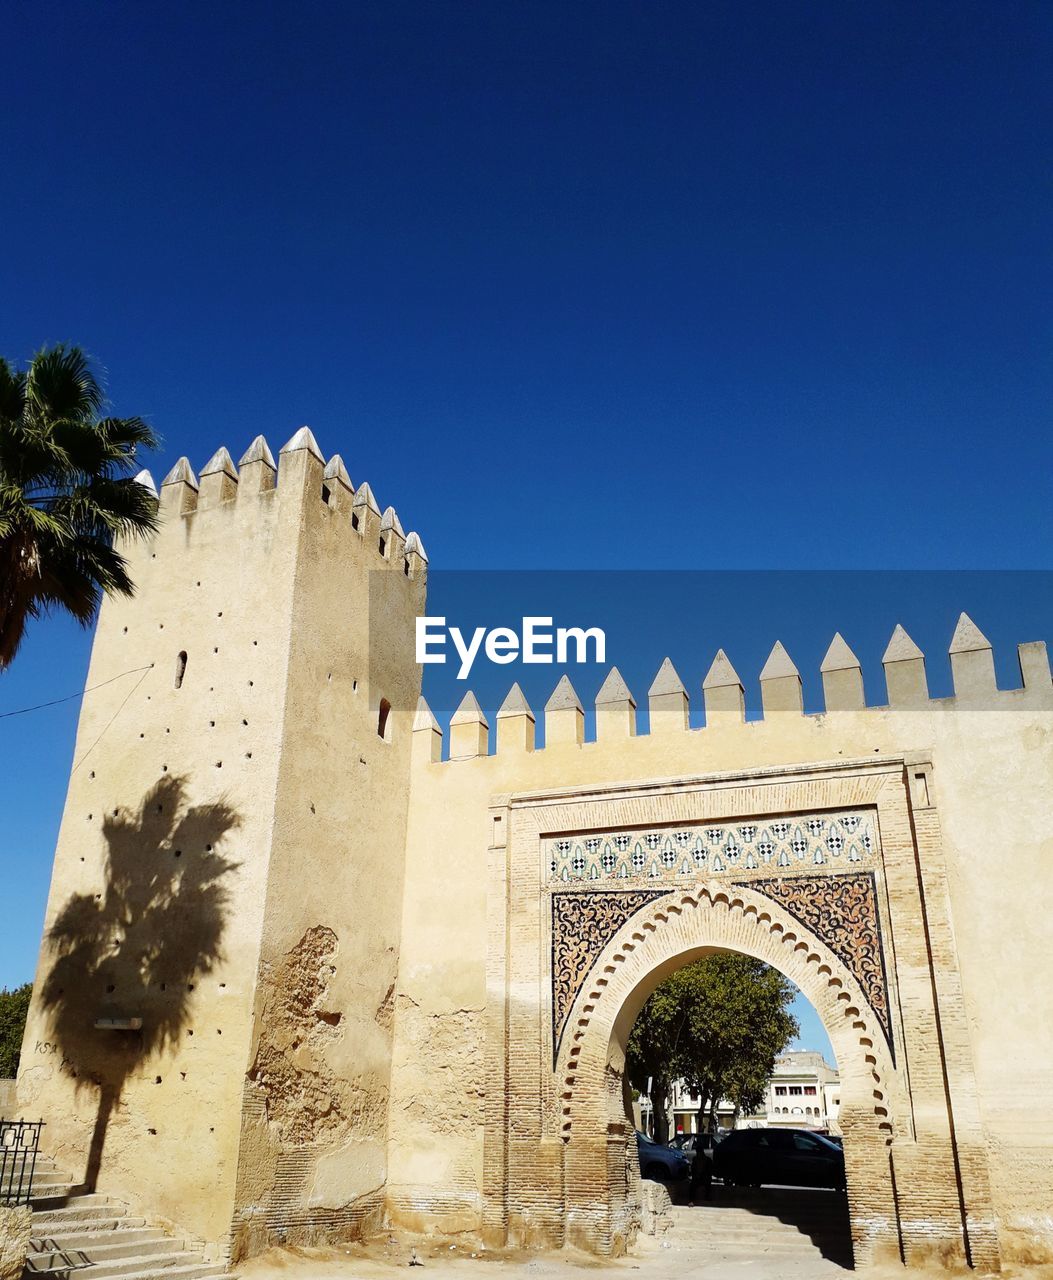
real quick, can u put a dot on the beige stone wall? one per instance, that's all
(217, 863)
(978, 772)
(152, 763)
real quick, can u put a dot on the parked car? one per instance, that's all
(688, 1143)
(659, 1163)
(789, 1157)
(835, 1138)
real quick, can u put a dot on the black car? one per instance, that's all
(787, 1157)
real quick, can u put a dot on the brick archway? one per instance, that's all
(832, 873)
(661, 938)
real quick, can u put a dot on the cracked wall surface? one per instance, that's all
(297, 1086)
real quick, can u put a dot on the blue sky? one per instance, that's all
(679, 286)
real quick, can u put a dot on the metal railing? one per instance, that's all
(19, 1147)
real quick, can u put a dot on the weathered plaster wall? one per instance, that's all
(984, 803)
(229, 864)
(314, 1159)
(173, 948)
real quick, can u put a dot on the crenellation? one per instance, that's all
(615, 708)
(258, 471)
(427, 734)
(972, 662)
(842, 677)
(564, 715)
(338, 490)
(179, 489)
(723, 692)
(905, 677)
(219, 480)
(781, 694)
(469, 730)
(1034, 669)
(416, 559)
(365, 514)
(145, 478)
(262, 490)
(780, 683)
(392, 540)
(515, 722)
(667, 701)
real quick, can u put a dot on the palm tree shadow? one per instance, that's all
(137, 949)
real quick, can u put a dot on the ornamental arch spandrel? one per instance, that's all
(832, 874)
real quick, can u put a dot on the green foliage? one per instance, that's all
(718, 1024)
(66, 493)
(14, 1008)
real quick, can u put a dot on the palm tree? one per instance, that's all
(66, 493)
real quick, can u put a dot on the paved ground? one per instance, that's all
(746, 1235)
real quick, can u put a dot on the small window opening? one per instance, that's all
(354, 521)
(180, 669)
(326, 495)
(384, 720)
(383, 545)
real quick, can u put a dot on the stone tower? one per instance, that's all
(210, 1032)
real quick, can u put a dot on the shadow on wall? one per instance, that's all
(136, 950)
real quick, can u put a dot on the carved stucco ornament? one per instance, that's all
(841, 910)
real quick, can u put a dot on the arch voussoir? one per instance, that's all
(661, 937)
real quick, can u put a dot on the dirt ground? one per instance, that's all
(651, 1259)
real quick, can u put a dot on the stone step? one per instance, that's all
(40, 1174)
(49, 1215)
(193, 1271)
(95, 1218)
(42, 1195)
(761, 1237)
(764, 1225)
(172, 1263)
(69, 1220)
(703, 1220)
(91, 1240)
(50, 1227)
(747, 1249)
(117, 1247)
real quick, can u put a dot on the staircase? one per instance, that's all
(79, 1231)
(805, 1230)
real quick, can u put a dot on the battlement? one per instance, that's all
(301, 474)
(972, 672)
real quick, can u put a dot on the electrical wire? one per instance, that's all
(22, 711)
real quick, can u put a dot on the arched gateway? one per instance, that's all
(815, 872)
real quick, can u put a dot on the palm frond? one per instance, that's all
(60, 384)
(66, 493)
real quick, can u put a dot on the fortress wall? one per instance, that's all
(169, 937)
(230, 861)
(978, 768)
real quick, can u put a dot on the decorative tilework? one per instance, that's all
(765, 846)
(841, 910)
(582, 925)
